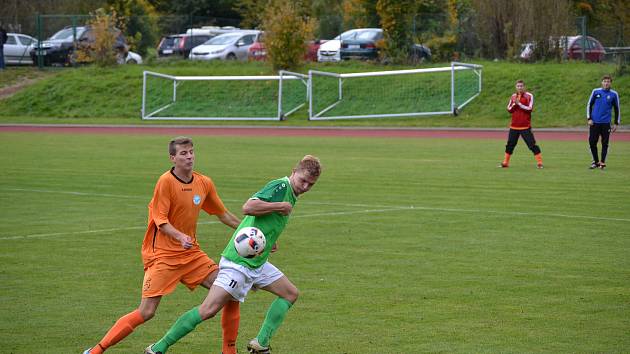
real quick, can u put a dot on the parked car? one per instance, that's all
(230, 46)
(571, 48)
(361, 44)
(594, 50)
(419, 53)
(61, 48)
(56, 50)
(17, 49)
(330, 51)
(86, 42)
(131, 58)
(182, 44)
(258, 51)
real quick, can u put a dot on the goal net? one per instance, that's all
(400, 93)
(169, 97)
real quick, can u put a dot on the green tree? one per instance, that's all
(360, 13)
(329, 17)
(138, 21)
(286, 33)
(395, 21)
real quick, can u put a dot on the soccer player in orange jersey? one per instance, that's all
(170, 251)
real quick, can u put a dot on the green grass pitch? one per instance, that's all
(403, 246)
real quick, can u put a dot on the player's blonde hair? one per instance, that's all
(311, 165)
(180, 140)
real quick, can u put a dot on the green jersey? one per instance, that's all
(271, 225)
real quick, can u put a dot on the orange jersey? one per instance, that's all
(178, 203)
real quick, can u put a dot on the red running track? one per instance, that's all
(542, 134)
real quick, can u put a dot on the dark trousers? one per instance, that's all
(527, 135)
(595, 131)
(2, 56)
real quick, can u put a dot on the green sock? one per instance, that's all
(184, 325)
(275, 315)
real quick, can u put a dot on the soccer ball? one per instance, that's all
(249, 242)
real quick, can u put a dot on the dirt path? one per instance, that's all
(8, 91)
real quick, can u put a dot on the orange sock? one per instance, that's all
(230, 319)
(506, 160)
(538, 158)
(122, 328)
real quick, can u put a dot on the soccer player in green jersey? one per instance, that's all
(268, 210)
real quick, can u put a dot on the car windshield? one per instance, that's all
(170, 41)
(366, 35)
(223, 39)
(67, 33)
(358, 34)
(347, 35)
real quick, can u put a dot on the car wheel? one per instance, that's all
(231, 56)
(131, 61)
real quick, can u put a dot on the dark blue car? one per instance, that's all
(361, 44)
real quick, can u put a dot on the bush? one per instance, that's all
(286, 33)
(443, 48)
(102, 50)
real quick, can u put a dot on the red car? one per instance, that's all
(258, 52)
(594, 50)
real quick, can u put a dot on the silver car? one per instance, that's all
(234, 45)
(17, 48)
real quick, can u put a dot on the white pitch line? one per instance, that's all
(382, 209)
(73, 193)
(367, 211)
(200, 223)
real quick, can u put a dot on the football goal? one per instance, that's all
(399, 93)
(170, 97)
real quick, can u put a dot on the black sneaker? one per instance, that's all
(602, 165)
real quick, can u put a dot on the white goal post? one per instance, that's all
(398, 93)
(273, 97)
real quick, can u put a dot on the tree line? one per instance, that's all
(450, 28)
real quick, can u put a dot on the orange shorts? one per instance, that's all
(163, 275)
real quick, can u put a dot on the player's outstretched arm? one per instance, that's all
(257, 207)
(181, 237)
(229, 219)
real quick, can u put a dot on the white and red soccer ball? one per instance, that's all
(250, 242)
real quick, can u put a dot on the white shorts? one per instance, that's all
(238, 280)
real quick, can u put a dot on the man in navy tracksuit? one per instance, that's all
(598, 115)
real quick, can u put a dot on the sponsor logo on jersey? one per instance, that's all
(147, 284)
(196, 199)
(186, 189)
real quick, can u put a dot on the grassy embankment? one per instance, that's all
(93, 95)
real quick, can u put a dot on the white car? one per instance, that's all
(230, 46)
(17, 48)
(330, 51)
(133, 58)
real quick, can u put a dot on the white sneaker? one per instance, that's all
(149, 350)
(254, 347)
(87, 351)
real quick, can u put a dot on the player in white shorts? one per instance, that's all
(267, 210)
(238, 279)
